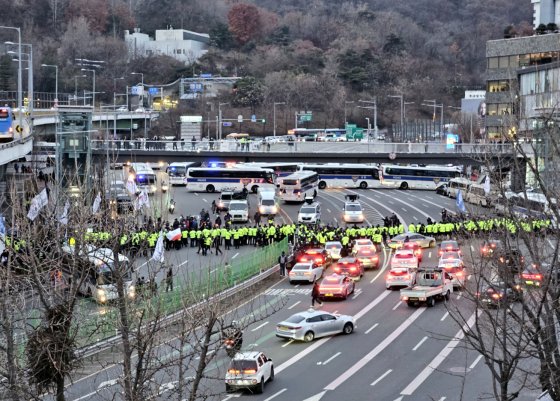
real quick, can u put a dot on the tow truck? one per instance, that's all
(430, 284)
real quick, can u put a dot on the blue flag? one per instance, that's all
(2, 226)
(460, 203)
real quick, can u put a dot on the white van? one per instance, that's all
(267, 201)
(458, 184)
(239, 210)
(477, 196)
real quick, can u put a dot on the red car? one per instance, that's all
(319, 256)
(349, 267)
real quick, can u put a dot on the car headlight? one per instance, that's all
(261, 209)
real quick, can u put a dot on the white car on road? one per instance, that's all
(309, 272)
(306, 326)
(404, 258)
(334, 249)
(400, 277)
(249, 370)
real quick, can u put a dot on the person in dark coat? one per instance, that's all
(315, 294)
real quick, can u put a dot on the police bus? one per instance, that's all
(6, 121)
(416, 177)
(345, 175)
(177, 172)
(531, 205)
(281, 169)
(143, 176)
(220, 179)
(298, 186)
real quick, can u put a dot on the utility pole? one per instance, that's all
(371, 105)
(402, 113)
(274, 116)
(345, 103)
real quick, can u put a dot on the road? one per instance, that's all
(396, 352)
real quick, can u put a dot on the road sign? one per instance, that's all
(153, 91)
(227, 124)
(205, 75)
(19, 129)
(240, 118)
(253, 118)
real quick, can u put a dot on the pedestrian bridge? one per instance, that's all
(318, 152)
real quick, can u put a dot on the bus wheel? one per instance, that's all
(363, 185)
(404, 186)
(322, 185)
(210, 188)
(254, 189)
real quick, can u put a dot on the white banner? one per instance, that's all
(158, 250)
(39, 201)
(96, 203)
(63, 219)
(487, 185)
(131, 187)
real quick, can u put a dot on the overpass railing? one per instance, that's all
(303, 147)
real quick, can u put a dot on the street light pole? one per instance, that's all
(20, 73)
(220, 120)
(274, 116)
(93, 92)
(56, 82)
(402, 112)
(142, 77)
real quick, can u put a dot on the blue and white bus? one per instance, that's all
(222, 179)
(281, 169)
(177, 172)
(6, 121)
(143, 176)
(298, 186)
(345, 175)
(416, 177)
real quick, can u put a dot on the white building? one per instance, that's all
(545, 12)
(182, 45)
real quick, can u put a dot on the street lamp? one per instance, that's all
(433, 103)
(220, 119)
(142, 74)
(19, 84)
(404, 115)
(402, 111)
(115, 92)
(345, 103)
(93, 91)
(56, 82)
(274, 116)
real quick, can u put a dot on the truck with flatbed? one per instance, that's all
(430, 284)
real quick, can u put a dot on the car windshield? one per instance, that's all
(300, 267)
(237, 206)
(449, 245)
(240, 364)
(295, 319)
(334, 246)
(330, 280)
(364, 252)
(363, 243)
(307, 210)
(226, 197)
(267, 202)
(353, 208)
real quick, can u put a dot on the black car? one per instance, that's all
(119, 197)
(442, 189)
(499, 294)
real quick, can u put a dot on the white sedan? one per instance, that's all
(404, 258)
(309, 272)
(334, 249)
(306, 326)
(453, 264)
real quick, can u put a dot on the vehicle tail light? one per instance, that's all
(484, 249)
(496, 295)
(353, 269)
(406, 276)
(250, 371)
(234, 371)
(459, 274)
(337, 269)
(319, 260)
(307, 273)
(538, 277)
(375, 258)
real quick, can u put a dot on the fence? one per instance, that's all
(198, 286)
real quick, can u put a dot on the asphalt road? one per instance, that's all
(395, 353)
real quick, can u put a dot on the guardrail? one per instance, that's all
(99, 332)
(133, 146)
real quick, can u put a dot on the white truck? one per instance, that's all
(429, 285)
(239, 210)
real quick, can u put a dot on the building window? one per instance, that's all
(491, 109)
(524, 60)
(498, 86)
(178, 51)
(492, 63)
(503, 62)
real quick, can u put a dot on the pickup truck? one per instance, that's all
(429, 285)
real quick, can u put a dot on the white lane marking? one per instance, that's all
(316, 397)
(411, 206)
(212, 271)
(331, 358)
(419, 343)
(460, 295)
(297, 285)
(432, 366)
(415, 218)
(107, 383)
(442, 399)
(329, 210)
(444, 317)
(298, 302)
(234, 256)
(86, 396)
(208, 353)
(404, 210)
(371, 305)
(423, 204)
(385, 264)
(204, 199)
(384, 207)
(260, 326)
(472, 248)
(469, 277)
(356, 294)
(391, 202)
(430, 254)
(285, 345)
(371, 328)
(549, 243)
(275, 395)
(472, 365)
(397, 305)
(373, 353)
(384, 375)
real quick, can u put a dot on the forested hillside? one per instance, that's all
(313, 54)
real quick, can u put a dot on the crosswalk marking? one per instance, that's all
(287, 291)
